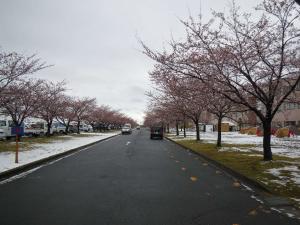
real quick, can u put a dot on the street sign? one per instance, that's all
(17, 130)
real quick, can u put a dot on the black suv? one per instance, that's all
(156, 132)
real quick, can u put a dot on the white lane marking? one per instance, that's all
(24, 174)
(128, 142)
(21, 175)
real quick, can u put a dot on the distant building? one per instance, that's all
(287, 115)
(289, 112)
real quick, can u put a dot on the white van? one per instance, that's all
(6, 125)
(126, 129)
(35, 127)
(85, 128)
(58, 127)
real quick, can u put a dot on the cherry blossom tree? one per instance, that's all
(100, 117)
(249, 57)
(165, 109)
(188, 98)
(14, 65)
(81, 108)
(65, 114)
(153, 118)
(118, 119)
(21, 99)
(51, 102)
(254, 58)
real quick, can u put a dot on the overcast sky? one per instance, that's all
(92, 44)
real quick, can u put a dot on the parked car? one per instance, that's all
(35, 129)
(126, 129)
(156, 132)
(58, 128)
(90, 128)
(73, 129)
(138, 127)
(6, 125)
(86, 128)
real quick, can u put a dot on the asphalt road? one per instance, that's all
(131, 180)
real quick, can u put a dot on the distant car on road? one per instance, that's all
(156, 132)
(138, 127)
(126, 129)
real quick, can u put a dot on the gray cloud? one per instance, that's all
(93, 43)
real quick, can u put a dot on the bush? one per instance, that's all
(282, 132)
(252, 131)
(243, 130)
(249, 130)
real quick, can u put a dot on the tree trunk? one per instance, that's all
(267, 140)
(49, 124)
(177, 128)
(78, 127)
(197, 130)
(164, 127)
(94, 127)
(184, 128)
(67, 127)
(19, 137)
(219, 132)
(168, 128)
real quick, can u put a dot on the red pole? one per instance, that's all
(17, 149)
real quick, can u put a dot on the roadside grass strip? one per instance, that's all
(28, 143)
(280, 176)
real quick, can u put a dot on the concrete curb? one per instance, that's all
(230, 171)
(15, 171)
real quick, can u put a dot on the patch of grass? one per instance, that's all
(9, 146)
(27, 142)
(240, 145)
(250, 165)
(43, 139)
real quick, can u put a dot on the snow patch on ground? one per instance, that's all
(293, 171)
(289, 147)
(233, 149)
(40, 151)
(296, 199)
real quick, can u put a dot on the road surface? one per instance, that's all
(131, 180)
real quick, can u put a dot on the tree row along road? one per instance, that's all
(131, 179)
